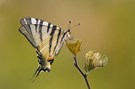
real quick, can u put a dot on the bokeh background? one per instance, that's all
(107, 26)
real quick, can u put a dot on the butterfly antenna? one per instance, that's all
(69, 24)
(75, 25)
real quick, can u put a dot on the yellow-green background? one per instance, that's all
(107, 26)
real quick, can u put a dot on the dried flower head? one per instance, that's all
(94, 60)
(74, 46)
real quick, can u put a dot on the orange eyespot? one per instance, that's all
(50, 58)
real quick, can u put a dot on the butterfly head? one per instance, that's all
(68, 31)
(68, 34)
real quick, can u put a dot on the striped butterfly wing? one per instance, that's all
(44, 36)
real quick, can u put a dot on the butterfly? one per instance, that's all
(46, 38)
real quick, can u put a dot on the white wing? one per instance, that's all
(42, 35)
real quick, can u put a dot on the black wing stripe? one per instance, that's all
(51, 38)
(28, 20)
(63, 36)
(53, 30)
(48, 27)
(40, 30)
(36, 25)
(58, 36)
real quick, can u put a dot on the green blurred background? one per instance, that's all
(107, 26)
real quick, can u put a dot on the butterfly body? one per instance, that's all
(46, 38)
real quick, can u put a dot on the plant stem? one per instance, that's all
(83, 74)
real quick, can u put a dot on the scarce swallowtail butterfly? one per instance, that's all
(46, 38)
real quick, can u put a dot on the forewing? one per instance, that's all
(28, 35)
(36, 30)
(61, 41)
(48, 38)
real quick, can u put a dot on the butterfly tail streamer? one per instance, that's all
(37, 72)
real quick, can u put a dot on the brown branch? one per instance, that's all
(83, 74)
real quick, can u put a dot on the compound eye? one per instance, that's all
(69, 31)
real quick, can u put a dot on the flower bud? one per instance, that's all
(94, 60)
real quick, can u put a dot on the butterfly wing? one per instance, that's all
(45, 37)
(32, 29)
(42, 35)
